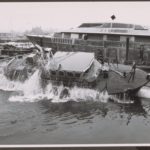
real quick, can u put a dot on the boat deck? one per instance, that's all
(117, 83)
(144, 67)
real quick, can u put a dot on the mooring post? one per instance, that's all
(127, 48)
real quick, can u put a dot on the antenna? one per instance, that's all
(113, 17)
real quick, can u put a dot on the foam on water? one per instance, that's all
(124, 100)
(8, 85)
(32, 91)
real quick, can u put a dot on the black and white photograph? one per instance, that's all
(75, 73)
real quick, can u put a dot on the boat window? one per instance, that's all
(77, 75)
(121, 25)
(95, 37)
(67, 35)
(139, 27)
(116, 25)
(106, 25)
(86, 71)
(61, 73)
(113, 37)
(58, 35)
(53, 72)
(90, 25)
(70, 74)
(89, 68)
(80, 36)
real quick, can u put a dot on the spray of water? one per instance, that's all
(8, 85)
(123, 100)
(32, 91)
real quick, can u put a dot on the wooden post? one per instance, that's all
(118, 54)
(41, 42)
(104, 49)
(127, 48)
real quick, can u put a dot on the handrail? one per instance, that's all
(62, 40)
(89, 42)
(102, 43)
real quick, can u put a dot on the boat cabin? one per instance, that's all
(71, 68)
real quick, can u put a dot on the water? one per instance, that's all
(30, 114)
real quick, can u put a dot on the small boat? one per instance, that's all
(84, 70)
(21, 67)
(72, 68)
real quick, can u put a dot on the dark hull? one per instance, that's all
(68, 82)
(114, 83)
(144, 67)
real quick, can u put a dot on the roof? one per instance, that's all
(73, 61)
(112, 28)
(90, 25)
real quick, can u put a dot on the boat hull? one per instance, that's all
(114, 83)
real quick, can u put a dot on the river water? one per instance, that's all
(32, 115)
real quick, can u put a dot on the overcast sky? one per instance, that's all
(24, 16)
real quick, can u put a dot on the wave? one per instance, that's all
(31, 90)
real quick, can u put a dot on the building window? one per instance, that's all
(77, 75)
(95, 37)
(61, 73)
(142, 39)
(80, 36)
(58, 35)
(53, 73)
(70, 74)
(113, 37)
(121, 25)
(67, 35)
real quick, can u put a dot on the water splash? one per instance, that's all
(123, 100)
(8, 85)
(33, 91)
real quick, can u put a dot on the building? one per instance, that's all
(113, 41)
(5, 37)
(9, 36)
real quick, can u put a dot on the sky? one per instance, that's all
(17, 16)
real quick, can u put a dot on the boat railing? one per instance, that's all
(137, 45)
(114, 44)
(89, 42)
(62, 40)
(101, 43)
